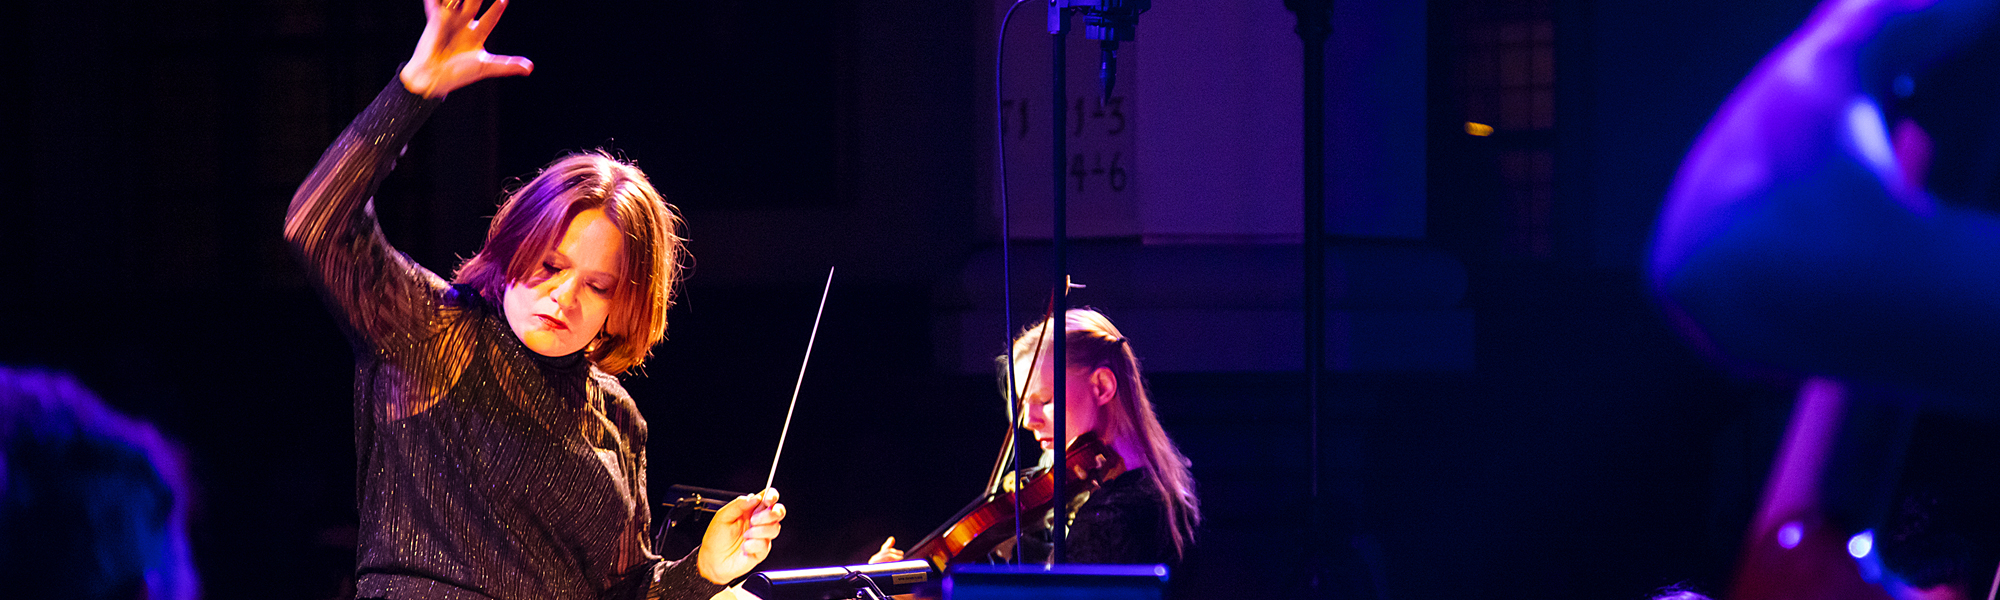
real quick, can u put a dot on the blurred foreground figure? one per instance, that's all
(1678, 592)
(93, 504)
(1940, 545)
(1798, 237)
(1799, 241)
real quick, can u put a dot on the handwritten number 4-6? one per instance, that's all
(1114, 175)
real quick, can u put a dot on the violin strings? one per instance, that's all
(773, 478)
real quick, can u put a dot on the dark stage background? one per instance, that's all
(1584, 453)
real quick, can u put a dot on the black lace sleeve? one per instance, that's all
(664, 580)
(377, 292)
(680, 580)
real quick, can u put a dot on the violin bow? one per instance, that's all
(1008, 457)
(773, 478)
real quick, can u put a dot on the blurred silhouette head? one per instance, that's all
(1941, 544)
(93, 504)
(1678, 591)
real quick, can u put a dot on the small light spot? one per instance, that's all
(1905, 86)
(1861, 544)
(1869, 138)
(1478, 129)
(1790, 534)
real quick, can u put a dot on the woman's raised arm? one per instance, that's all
(452, 52)
(377, 291)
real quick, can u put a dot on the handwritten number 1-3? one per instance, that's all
(1112, 110)
(1106, 109)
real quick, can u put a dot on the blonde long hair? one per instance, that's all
(1091, 341)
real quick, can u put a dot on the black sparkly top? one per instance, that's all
(485, 470)
(1121, 523)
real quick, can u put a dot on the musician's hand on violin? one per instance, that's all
(452, 52)
(739, 536)
(888, 553)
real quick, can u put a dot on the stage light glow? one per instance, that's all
(1861, 544)
(1478, 129)
(1790, 534)
(1868, 137)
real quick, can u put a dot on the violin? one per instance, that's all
(990, 521)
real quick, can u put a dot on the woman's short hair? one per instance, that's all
(531, 223)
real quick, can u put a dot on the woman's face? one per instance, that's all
(1088, 391)
(562, 305)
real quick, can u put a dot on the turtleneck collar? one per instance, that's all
(574, 361)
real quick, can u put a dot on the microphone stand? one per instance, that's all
(1109, 21)
(1314, 27)
(1058, 315)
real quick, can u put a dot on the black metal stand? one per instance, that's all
(852, 581)
(1109, 21)
(867, 592)
(1057, 330)
(1315, 25)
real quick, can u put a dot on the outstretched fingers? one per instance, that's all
(504, 66)
(452, 13)
(484, 25)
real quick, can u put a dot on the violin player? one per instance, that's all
(1145, 514)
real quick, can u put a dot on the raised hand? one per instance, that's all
(739, 536)
(452, 52)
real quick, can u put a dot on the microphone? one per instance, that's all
(1110, 22)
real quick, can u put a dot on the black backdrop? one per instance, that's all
(150, 150)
